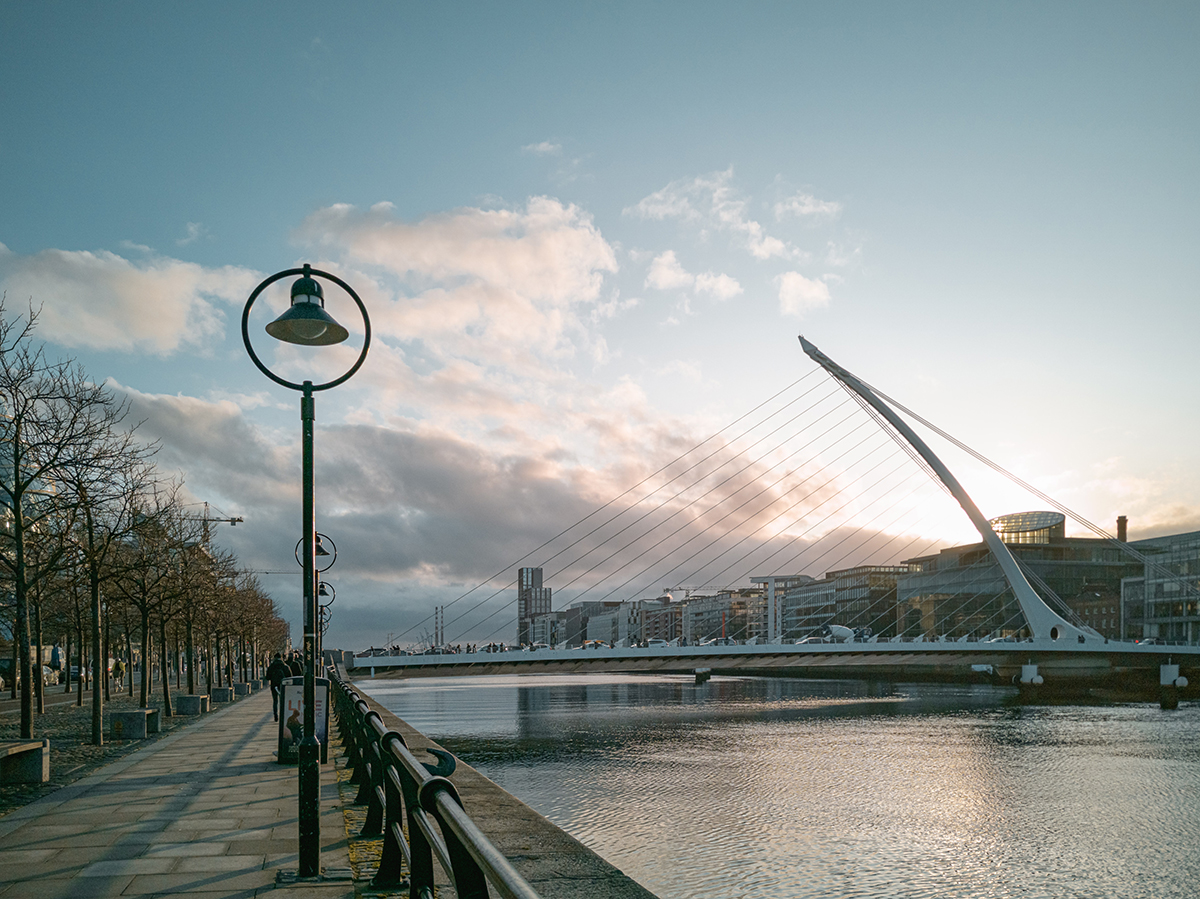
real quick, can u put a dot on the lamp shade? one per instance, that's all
(306, 322)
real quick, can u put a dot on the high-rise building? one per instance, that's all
(532, 600)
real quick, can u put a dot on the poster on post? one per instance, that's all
(291, 718)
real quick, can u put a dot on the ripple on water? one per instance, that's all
(789, 789)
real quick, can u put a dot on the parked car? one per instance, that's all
(49, 676)
(656, 643)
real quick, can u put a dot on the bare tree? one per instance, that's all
(51, 418)
(104, 486)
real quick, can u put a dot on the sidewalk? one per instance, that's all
(205, 811)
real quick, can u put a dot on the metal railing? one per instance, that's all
(404, 795)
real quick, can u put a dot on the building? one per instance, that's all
(532, 600)
(961, 591)
(860, 597)
(768, 623)
(723, 615)
(1169, 607)
(550, 629)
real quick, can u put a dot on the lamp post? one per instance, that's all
(306, 323)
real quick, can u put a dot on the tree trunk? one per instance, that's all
(80, 676)
(143, 694)
(99, 668)
(164, 666)
(67, 663)
(107, 641)
(129, 657)
(39, 684)
(190, 649)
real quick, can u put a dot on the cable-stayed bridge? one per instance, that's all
(828, 494)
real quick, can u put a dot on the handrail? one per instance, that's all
(397, 790)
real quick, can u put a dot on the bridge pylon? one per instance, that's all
(1044, 623)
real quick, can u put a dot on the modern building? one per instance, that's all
(860, 597)
(532, 600)
(961, 591)
(1162, 599)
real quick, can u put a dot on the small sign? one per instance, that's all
(291, 717)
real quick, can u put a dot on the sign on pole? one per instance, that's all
(291, 718)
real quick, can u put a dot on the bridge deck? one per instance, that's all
(1058, 662)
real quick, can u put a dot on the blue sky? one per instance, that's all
(590, 233)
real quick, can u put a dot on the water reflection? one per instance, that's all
(747, 787)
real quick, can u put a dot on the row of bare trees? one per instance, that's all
(97, 549)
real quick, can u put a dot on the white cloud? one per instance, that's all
(722, 287)
(195, 231)
(798, 294)
(545, 148)
(711, 202)
(103, 301)
(805, 205)
(501, 287)
(666, 273)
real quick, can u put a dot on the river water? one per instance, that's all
(754, 788)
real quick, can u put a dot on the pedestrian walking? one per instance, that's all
(276, 672)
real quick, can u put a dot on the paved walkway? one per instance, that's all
(205, 811)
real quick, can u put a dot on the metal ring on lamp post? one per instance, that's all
(278, 276)
(323, 538)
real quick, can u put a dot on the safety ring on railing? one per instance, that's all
(391, 733)
(427, 794)
(445, 765)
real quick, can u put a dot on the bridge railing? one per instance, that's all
(398, 790)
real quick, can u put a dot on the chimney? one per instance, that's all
(1122, 528)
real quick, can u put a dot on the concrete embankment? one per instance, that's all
(556, 864)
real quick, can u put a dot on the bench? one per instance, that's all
(222, 694)
(191, 705)
(241, 689)
(133, 725)
(24, 762)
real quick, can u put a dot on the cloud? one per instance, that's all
(805, 205)
(503, 287)
(711, 202)
(667, 274)
(195, 231)
(798, 294)
(722, 287)
(545, 148)
(103, 301)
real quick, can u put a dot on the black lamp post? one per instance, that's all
(306, 323)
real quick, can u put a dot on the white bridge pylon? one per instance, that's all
(1044, 623)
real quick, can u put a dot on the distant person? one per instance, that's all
(119, 673)
(294, 666)
(276, 672)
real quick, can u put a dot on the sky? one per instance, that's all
(587, 236)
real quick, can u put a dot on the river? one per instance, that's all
(757, 788)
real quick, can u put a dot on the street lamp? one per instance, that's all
(306, 323)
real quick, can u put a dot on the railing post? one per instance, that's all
(469, 882)
(372, 786)
(420, 862)
(390, 873)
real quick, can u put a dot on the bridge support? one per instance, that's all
(702, 675)
(1169, 683)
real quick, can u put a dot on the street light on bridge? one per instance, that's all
(306, 323)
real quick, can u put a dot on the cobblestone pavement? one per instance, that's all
(72, 755)
(205, 810)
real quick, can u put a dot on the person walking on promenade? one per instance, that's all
(295, 665)
(276, 672)
(118, 673)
